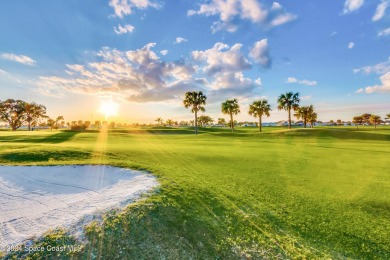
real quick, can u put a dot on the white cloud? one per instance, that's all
(282, 19)
(18, 58)
(351, 45)
(380, 10)
(260, 53)
(360, 90)
(164, 52)
(220, 58)
(379, 68)
(125, 7)
(233, 85)
(303, 98)
(127, 28)
(384, 88)
(276, 6)
(135, 75)
(384, 32)
(352, 5)
(302, 82)
(180, 40)
(250, 10)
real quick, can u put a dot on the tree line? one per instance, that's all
(289, 102)
(18, 113)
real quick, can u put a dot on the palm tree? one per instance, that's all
(287, 102)
(196, 101)
(230, 107)
(375, 120)
(388, 116)
(259, 108)
(159, 120)
(304, 112)
(312, 118)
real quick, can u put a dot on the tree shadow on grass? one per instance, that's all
(45, 156)
(60, 137)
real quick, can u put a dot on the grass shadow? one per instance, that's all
(57, 138)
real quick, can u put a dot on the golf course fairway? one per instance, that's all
(296, 194)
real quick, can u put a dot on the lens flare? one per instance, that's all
(108, 108)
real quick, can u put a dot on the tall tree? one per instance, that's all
(357, 120)
(304, 112)
(13, 112)
(195, 101)
(388, 116)
(231, 107)
(287, 102)
(34, 112)
(259, 109)
(374, 119)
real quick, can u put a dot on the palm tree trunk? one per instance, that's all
(304, 122)
(260, 123)
(196, 122)
(29, 126)
(231, 122)
(289, 118)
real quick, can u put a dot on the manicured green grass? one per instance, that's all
(300, 193)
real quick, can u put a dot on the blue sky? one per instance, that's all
(145, 54)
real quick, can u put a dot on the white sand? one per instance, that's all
(35, 199)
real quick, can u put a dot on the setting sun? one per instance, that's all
(108, 108)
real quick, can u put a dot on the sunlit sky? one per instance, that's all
(144, 55)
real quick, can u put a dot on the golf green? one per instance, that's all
(300, 193)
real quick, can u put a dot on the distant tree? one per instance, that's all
(51, 123)
(13, 112)
(231, 107)
(339, 122)
(97, 124)
(34, 112)
(68, 124)
(58, 119)
(183, 123)
(312, 118)
(170, 122)
(195, 101)
(357, 120)
(388, 116)
(304, 113)
(366, 118)
(375, 119)
(112, 125)
(222, 121)
(258, 109)
(331, 122)
(104, 123)
(205, 120)
(192, 122)
(86, 124)
(159, 120)
(289, 101)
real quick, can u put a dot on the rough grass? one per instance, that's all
(301, 193)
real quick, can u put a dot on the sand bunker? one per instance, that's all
(35, 199)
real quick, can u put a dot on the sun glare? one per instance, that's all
(108, 108)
